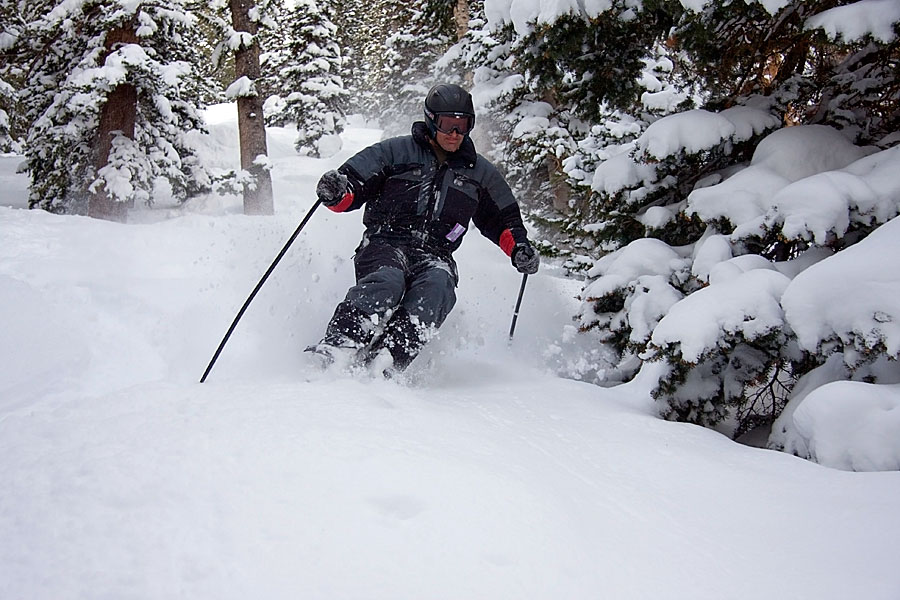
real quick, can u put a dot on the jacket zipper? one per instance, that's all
(436, 184)
(431, 210)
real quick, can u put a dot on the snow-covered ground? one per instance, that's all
(482, 475)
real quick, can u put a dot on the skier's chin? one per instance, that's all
(450, 143)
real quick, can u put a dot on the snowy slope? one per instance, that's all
(484, 475)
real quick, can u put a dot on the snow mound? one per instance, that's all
(696, 130)
(849, 425)
(798, 152)
(817, 301)
(745, 304)
(645, 256)
(855, 21)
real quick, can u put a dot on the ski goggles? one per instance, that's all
(447, 122)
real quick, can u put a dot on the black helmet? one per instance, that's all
(449, 100)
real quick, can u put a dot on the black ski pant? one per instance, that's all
(403, 290)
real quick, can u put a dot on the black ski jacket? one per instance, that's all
(408, 195)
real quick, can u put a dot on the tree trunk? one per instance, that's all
(251, 127)
(556, 177)
(461, 17)
(558, 186)
(117, 115)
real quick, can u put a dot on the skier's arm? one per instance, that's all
(498, 217)
(365, 174)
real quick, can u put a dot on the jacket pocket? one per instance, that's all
(460, 203)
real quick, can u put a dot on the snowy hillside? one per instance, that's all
(483, 474)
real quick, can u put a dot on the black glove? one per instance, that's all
(525, 259)
(331, 188)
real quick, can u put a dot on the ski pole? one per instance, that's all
(512, 328)
(257, 288)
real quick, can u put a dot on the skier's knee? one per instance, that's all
(434, 298)
(379, 291)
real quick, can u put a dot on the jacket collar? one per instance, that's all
(464, 157)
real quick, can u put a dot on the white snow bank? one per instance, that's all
(696, 130)
(850, 425)
(746, 304)
(802, 151)
(847, 304)
(792, 154)
(646, 256)
(54, 319)
(855, 21)
(850, 297)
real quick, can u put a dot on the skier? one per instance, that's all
(420, 193)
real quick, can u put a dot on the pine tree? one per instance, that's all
(595, 92)
(424, 30)
(741, 49)
(351, 19)
(7, 144)
(392, 47)
(74, 63)
(304, 75)
(747, 58)
(9, 34)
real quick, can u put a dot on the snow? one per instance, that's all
(645, 256)
(6, 40)
(798, 152)
(483, 474)
(745, 303)
(848, 424)
(619, 172)
(522, 13)
(771, 6)
(691, 132)
(855, 21)
(788, 166)
(696, 130)
(241, 87)
(824, 205)
(851, 22)
(819, 299)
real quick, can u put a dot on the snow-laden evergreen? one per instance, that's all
(805, 185)
(393, 47)
(7, 93)
(421, 32)
(483, 475)
(304, 75)
(684, 145)
(10, 29)
(67, 78)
